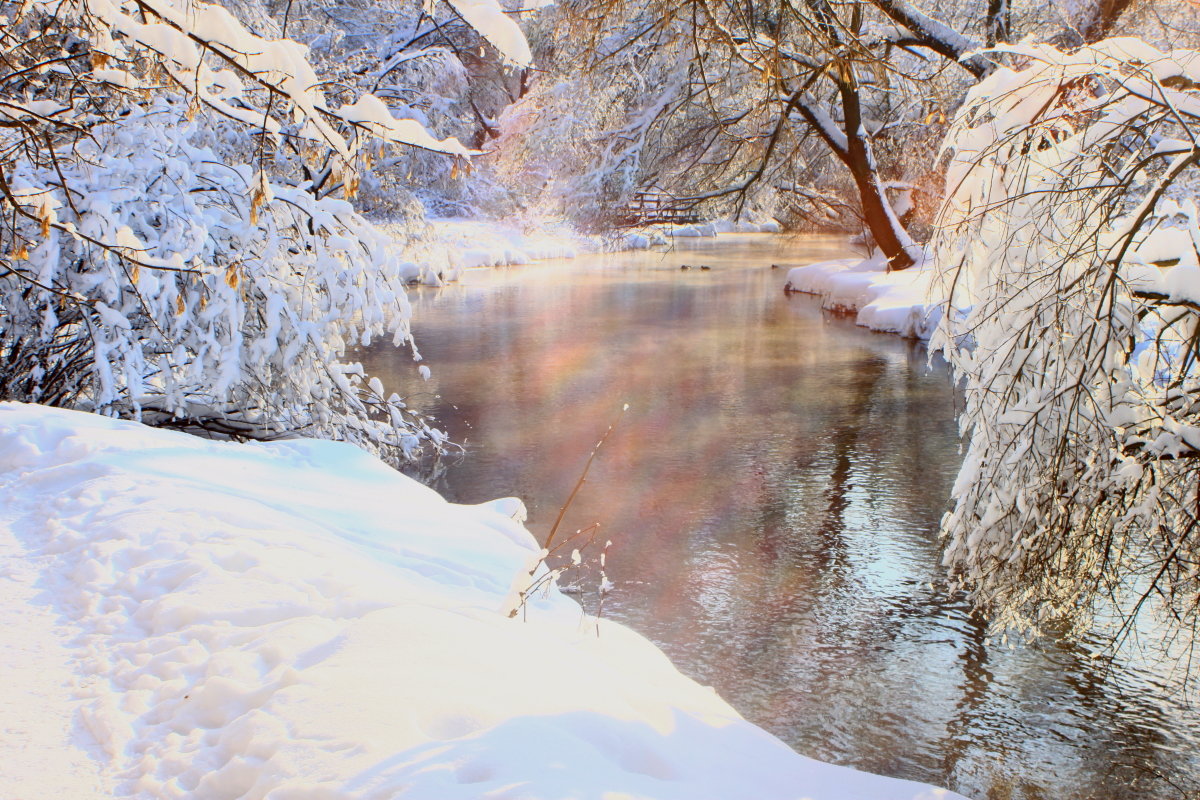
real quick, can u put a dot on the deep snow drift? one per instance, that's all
(217, 620)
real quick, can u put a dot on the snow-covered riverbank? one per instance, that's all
(907, 302)
(455, 244)
(298, 620)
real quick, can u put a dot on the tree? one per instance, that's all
(838, 67)
(1071, 243)
(172, 248)
(737, 106)
(813, 109)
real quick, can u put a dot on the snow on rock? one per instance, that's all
(297, 620)
(635, 241)
(485, 244)
(454, 244)
(904, 301)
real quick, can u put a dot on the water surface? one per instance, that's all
(772, 498)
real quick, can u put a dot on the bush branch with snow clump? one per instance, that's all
(1068, 245)
(213, 313)
(171, 248)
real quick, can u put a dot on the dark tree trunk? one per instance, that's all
(998, 24)
(1102, 19)
(860, 160)
(856, 153)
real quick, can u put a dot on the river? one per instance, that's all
(772, 497)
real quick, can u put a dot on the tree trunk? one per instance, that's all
(998, 23)
(859, 158)
(1101, 21)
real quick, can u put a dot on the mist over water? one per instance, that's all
(772, 496)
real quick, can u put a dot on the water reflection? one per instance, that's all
(772, 497)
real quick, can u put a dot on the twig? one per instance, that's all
(582, 478)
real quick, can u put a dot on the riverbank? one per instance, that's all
(908, 302)
(297, 619)
(453, 244)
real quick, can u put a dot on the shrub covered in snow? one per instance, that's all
(1071, 239)
(173, 248)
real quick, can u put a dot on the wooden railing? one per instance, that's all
(651, 208)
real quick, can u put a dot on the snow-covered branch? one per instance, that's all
(1071, 239)
(172, 250)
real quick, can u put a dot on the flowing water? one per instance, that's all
(772, 498)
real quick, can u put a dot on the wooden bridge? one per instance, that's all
(653, 207)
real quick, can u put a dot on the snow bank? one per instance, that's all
(700, 229)
(742, 226)
(453, 245)
(661, 235)
(903, 302)
(636, 240)
(456, 244)
(475, 243)
(298, 620)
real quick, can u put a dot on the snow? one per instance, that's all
(370, 112)
(487, 17)
(454, 244)
(698, 230)
(950, 39)
(297, 620)
(56, 758)
(820, 118)
(635, 240)
(745, 226)
(32, 109)
(185, 33)
(905, 301)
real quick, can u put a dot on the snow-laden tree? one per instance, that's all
(691, 98)
(817, 109)
(826, 111)
(1070, 239)
(178, 242)
(430, 65)
(600, 121)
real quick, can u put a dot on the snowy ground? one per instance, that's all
(186, 618)
(907, 302)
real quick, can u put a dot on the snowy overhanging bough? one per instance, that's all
(172, 249)
(1070, 248)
